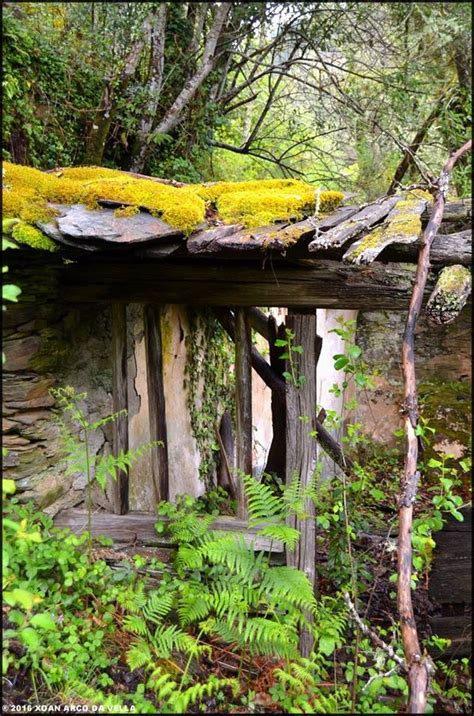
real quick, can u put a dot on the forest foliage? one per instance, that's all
(332, 93)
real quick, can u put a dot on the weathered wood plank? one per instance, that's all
(119, 487)
(328, 284)
(140, 527)
(363, 219)
(156, 401)
(274, 380)
(451, 573)
(226, 468)
(259, 322)
(276, 237)
(276, 383)
(450, 295)
(301, 447)
(453, 210)
(447, 249)
(402, 226)
(243, 399)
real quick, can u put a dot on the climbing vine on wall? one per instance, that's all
(209, 380)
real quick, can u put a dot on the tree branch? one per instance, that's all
(419, 666)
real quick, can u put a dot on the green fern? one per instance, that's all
(135, 624)
(290, 584)
(139, 655)
(167, 639)
(192, 607)
(232, 551)
(157, 607)
(263, 504)
(133, 599)
(195, 694)
(285, 534)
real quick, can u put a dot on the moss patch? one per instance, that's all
(253, 204)
(31, 236)
(447, 407)
(452, 278)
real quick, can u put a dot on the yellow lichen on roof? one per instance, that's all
(263, 202)
(28, 192)
(211, 192)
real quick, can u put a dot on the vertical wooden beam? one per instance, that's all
(301, 448)
(226, 467)
(243, 397)
(119, 487)
(156, 401)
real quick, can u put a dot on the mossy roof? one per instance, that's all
(95, 208)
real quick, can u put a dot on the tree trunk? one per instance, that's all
(158, 35)
(173, 114)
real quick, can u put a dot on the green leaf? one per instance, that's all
(327, 644)
(30, 638)
(43, 621)
(340, 362)
(354, 351)
(10, 292)
(434, 463)
(22, 597)
(8, 487)
(377, 494)
(280, 343)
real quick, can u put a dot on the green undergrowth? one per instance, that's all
(200, 635)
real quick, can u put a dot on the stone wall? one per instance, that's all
(443, 368)
(45, 345)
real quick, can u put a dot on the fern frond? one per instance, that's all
(289, 680)
(290, 584)
(285, 534)
(265, 636)
(135, 624)
(188, 557)
(167, 639)
(157, 606)
(193, 607)
(263, 504)
(108, 419)
(133, 599)
(232, 551)
(162, 684)
(198, 692)
(228, 602)
(191, 527)
(138, 655)
(225, 631)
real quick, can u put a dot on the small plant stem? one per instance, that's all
(354, 675)
(89, 491)
(188, 664)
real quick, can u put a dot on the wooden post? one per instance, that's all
(301, 448)
(119, 487)
(156, 401)
(243, 397)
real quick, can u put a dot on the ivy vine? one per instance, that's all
(209, 381)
